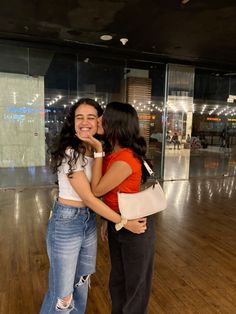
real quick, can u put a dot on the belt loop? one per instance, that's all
(89, 213)
(54, 205)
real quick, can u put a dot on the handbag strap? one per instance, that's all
(146, 165)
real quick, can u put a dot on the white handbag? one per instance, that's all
(141, 204)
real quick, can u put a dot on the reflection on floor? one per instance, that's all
(195, 265)
(28, 176)
(179, 164)
(176, 164)
(211, 162)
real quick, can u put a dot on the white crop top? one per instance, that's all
(65, 188)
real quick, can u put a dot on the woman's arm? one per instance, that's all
(116, 174)
(97, 167)
(81, 185)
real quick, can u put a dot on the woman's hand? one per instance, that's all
(136, 225)
(96, 144)
(104, 235)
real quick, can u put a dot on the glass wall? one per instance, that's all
(22, 136)
(39, 85)
(145, 90)
(187, 115)
(213, 141)
(179, 111)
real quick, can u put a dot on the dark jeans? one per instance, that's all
(131, 268)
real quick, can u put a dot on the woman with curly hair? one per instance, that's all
(71, 233)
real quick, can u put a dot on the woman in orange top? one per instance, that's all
(122, 170)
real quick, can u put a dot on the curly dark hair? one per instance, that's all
(67, 139)
(121, 125)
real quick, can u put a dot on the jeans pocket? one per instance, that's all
(65, 215)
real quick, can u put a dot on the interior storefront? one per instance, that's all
(202, 116)
(213, 149)
(187, 115)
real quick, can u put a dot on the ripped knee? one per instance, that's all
(83, 280)
(64, 303)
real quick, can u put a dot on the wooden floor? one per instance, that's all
(195, 265)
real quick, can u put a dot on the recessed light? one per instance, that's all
(124, 41)
(185, 1)
(106, 37)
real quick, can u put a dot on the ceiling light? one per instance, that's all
(106, 37)
(124, 40)
(184, 1)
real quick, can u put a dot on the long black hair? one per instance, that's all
(67, 138)
(121, 125)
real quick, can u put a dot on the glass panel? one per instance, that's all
(214, 124)
(37, 87)
(145, 91)
(22, 135)
(28, 124)
(71, 77)
(179, 121)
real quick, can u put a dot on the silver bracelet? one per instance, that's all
(97, 155)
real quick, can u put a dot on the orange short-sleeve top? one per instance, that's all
(130, 184)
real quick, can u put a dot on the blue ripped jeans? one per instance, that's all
(72, 249)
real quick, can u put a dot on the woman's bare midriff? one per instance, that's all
(71, 202)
